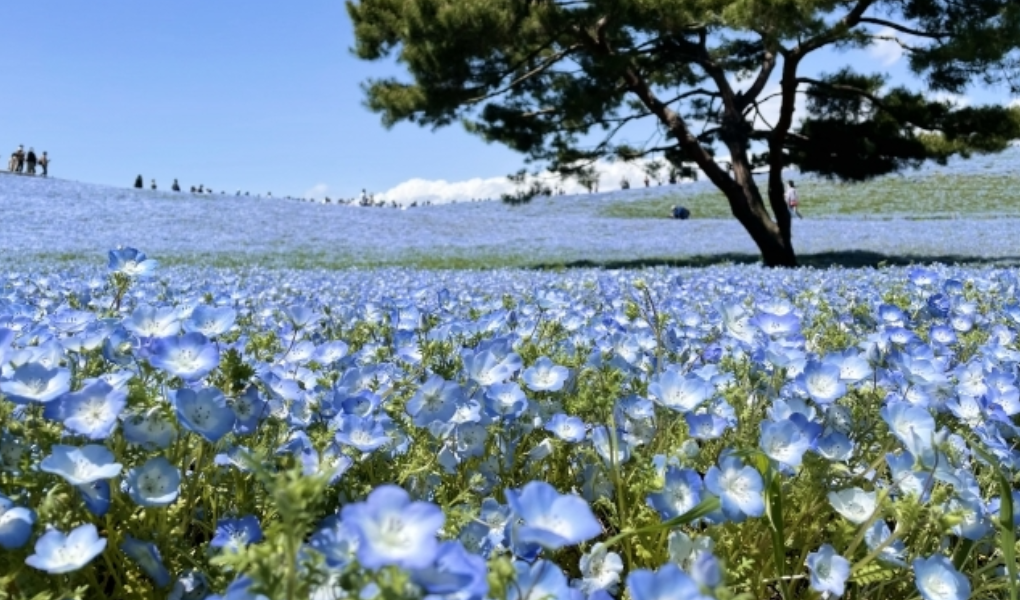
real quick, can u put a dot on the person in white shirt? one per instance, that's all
(792, 200)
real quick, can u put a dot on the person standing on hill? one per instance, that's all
(44, 164)
(139, 183)
(153, 184)
(176, 187)
(19, 156)
(12, 165)
(793, 200)
(31, 160)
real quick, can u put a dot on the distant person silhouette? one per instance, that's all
(44, 164)
(19, 155)
(153, 184)
(139, 183)
(12, 165)
(176, 186)
(793, 200)
(30, 161)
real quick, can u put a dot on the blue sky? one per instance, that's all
(258, 96)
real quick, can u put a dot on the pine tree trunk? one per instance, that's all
(771, 236)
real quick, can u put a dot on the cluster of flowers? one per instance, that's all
(594, 435)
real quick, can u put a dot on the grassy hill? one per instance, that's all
(938, 213)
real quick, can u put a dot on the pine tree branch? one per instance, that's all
(935, 35)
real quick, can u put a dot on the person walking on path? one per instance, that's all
(176, 186)
(30, 161)
(12, 165)
(44, 164)
(139, 183)
(19, 156)
(792, 200)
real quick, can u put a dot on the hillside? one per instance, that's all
(71, 221)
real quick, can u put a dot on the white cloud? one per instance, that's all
(440, 191)
(1015, 103)
(886, 52)
(770, 108)
(957, 100)
(317, 191)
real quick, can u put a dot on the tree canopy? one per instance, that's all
(564, 81)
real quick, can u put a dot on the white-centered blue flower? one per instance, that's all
(822, 382)
(393, 530)
(34, 382)
(854, 504)
(93, 412)
(567, 428)
(210, 321)
(57, 553)
(677, 392)
(540, 580)
(132, 263)
(545, 376)
(600, 570)
(681, 493)
(550, 519)
(829, 571)
(937, 579)
(784, 442)
(79, 466)
(204, 412)
(190, 356)
(155, 483)
(739, 488)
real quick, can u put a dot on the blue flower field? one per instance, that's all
(729, 432)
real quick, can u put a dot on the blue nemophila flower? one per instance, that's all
(57, 553)
(566, 428)
(204, 412)
(150, 429)
(937, 579)
(913, 426)
(155, 483)
(434, 400)
(393, 530)
(190, 356)
(705, 426)
(15, 524)
(829, 571)
(79, 466)
(682, 394)
(739, 488)
(234, 534)
(891, 553)
(601, 439)
(854, 504)
(506, 400)
(364, 433)
(539, 580)
(550, 519)
(784, 442)
(545, 376)
(249, 409)
(153, 322)
(210, 321)
(336, 541)
(93, 411)
(96, 496)
(456, 572)
(822, 382)
(132, 263)
(146, 556)
(34, 382)
(681, 493)
(668, 583)
(600, 570)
